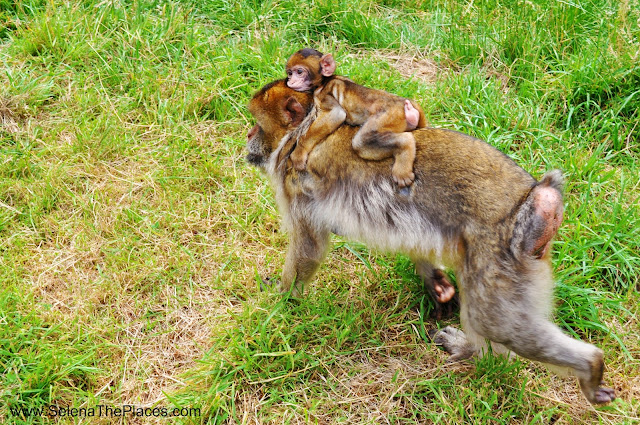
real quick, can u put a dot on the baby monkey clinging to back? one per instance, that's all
(386, 119)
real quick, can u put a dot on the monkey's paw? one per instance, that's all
(454, 342)
(403, 179)
(299, 159)
(604, 395)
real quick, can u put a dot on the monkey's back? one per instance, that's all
(477, 178)
(365, 103)
(458, 178)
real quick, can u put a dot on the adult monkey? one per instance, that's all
(288, 108)
(477, 212)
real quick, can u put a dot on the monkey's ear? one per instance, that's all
(295, 111)
(327, 65)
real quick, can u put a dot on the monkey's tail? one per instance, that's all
(554, 179)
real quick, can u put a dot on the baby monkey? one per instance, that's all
(386, 119)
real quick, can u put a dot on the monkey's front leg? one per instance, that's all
(307, 249)
(330, 116)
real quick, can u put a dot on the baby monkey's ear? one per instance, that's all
(327, 65)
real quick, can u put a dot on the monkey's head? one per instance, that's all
(307, 68)
(277, 110)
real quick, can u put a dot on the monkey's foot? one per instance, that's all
(299, 159)
(604, 395)
(267, 283)
(454, 342)
(411, 115)
(403, 179)
(446, 301)
(444, 289)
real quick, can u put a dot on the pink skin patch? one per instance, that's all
(412, 115)
(549, 206)
(444, 290)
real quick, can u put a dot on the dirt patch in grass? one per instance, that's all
(414, 66)
(408, 64)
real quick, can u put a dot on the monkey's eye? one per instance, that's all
(289, 73)
(299, 71)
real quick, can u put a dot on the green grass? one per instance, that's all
(133, 235)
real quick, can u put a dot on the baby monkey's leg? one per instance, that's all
(382, 136)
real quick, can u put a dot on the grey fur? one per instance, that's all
(470, 208)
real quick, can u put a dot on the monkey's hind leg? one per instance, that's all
(440, 290)
(514, 313)
(537, 339)
(405, 155)
(371, 143)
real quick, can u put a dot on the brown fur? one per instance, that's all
(385, 130)
(470, 207)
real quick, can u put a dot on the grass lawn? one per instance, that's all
(133, 234)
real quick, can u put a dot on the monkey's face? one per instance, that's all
(277, 110)
(306, 68)
(299, 78)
